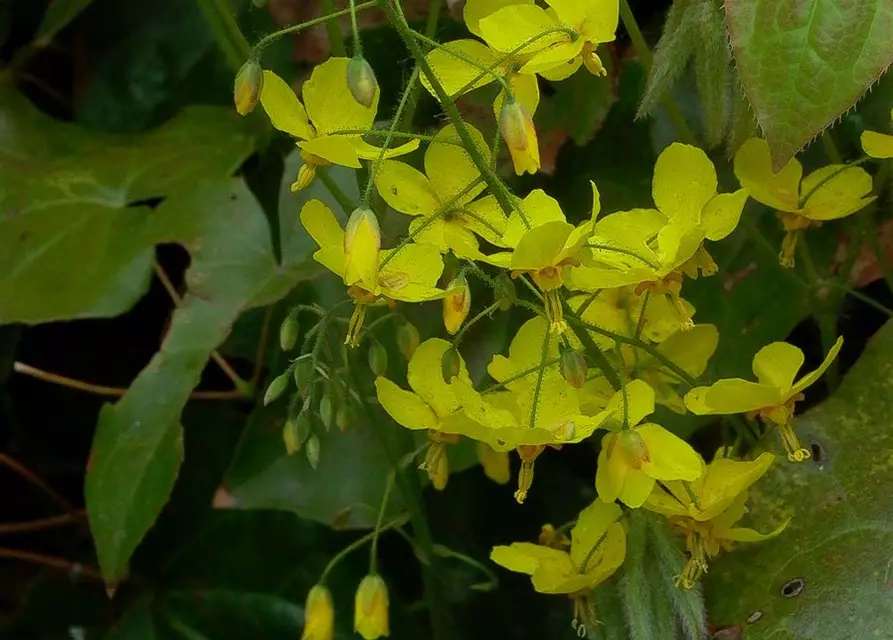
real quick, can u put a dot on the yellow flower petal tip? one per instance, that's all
(247, 87)
(319, 615)
(371, 608)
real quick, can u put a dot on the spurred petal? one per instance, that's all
(450, 168)
(336, 149)
(526, 557)
(367, 151)
(282, 105)
(753, 167)
(836, 192)
(430, 387)
(323, 227)
(669, 456)
(684, 181)
(537, 208)
(406, 189)
(724, 481)
(812, 376)
(721, 215)
(329, 102)
(610, 473)
(507, 29)
(476, 10)
(777, 364)
(732, 395)
(408, 409)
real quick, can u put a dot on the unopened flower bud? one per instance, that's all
(247, 87)
(361, 81)
(288, 332)
(370, 618)
(344, 417)
(362, 244)
(277, 388)
(326, 411)
(312, 451)
(319, 615)
(573, 368)
(407, 339)
(295, 432)
(378, 359)
(304, 376)
(450, 364)
(519, 134)
(456, 305)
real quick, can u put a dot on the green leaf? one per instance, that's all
(57, 16)
(671, 55)
(72, 245)
(345, 491)
(803, 63)
(137, 448)
(841, 528)
(222, 614)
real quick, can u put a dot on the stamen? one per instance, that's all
(796, 452)
(352, 339)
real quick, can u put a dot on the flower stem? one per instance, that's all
(336, 40)
(373, 551)
(359, 542)
(357, 41)
(340, 197)
(647, 60)
(467, 60)
(465, 327)
(434, 9)
(219, 17)
(311, 23)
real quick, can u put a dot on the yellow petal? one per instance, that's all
(425, 379)
(282, 105)
(691, 349)
(495, 463)
(323, 227)
(450, 168)
(836, 192)
(600, 17)
(665, 503)
(813, 376)
(526, 557)
(412, 274)
(637, 486)
(684, 181)
(454, 73)
(335, 149)
(592, 524)
(776, 364)
(670, 457)
(562, 71)
(525, 90)
(367, 151)
(329, 102)
(537, 208)
(743, 534)
(877, 145)
(476, 10)
(722, 213)
(510, 27)
(484, 216)
(610, 472)
(540, 247)
(724, 481)
(405, 407)
(753, 167)
(731, 396)
(406, 189)
(638, 396)
(560, 55)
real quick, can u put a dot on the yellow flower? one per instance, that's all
(409, 275)
(319, 615)
(449, 172)
(878, 145)
(330, 108)
(370, 618)
(772, 398)
(495, 463)
(431, 405)
(544, 245)
(597, 550)
(594, 22)
(634, 456)
(247, 87)
(828, 193)
(519, 134)
(707, 510)
(456, 305)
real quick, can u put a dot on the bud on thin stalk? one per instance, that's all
(277, 388)
(247, 87)
(312, 450)
(573, 368)
(371, 608)
(378, 359)
(408, 339)
(361, 81)
(456, 305)
(288, 332)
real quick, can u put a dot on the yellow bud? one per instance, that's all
(361, 220)
(361, 81)
(407, 339)
(456, 305)
(288, 332)
(319, 615)
(573, 368)
(362, 244)
(592, 62)
(519, 134)
(450, 364)
(370, 618)
(378, 359)
(247, 87)
(495, 463)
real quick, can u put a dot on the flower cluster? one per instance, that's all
(606, 334)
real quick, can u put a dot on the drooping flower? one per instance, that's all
(319, 615)
(443, 198)
(371, 608)
(408, 274)
(330, 109)
(247, 87)
(516, 127)
(707, 510)
(495, 463)
(635, 456)
(772, 397)
(878, 145)
(829, 193)
(597, 550)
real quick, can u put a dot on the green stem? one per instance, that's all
(357, 41)
(311, 23)
(384, 133)
(359, 542)
(518, 376)
(592, 350)
(647, 60)
(336, 40)
(497, 187)
(469, 61)
(219, 17)
(343, 201)
(465, 327)
(373, 551)
(434, 9)
(871, 302)
(540, 374)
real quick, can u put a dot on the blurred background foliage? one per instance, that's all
(118, 149)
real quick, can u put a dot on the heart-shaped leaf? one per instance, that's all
(803, 63)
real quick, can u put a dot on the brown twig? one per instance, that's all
(74, 568)
(112, 392)
(43, 523)
(242, 387)
(36, 480)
